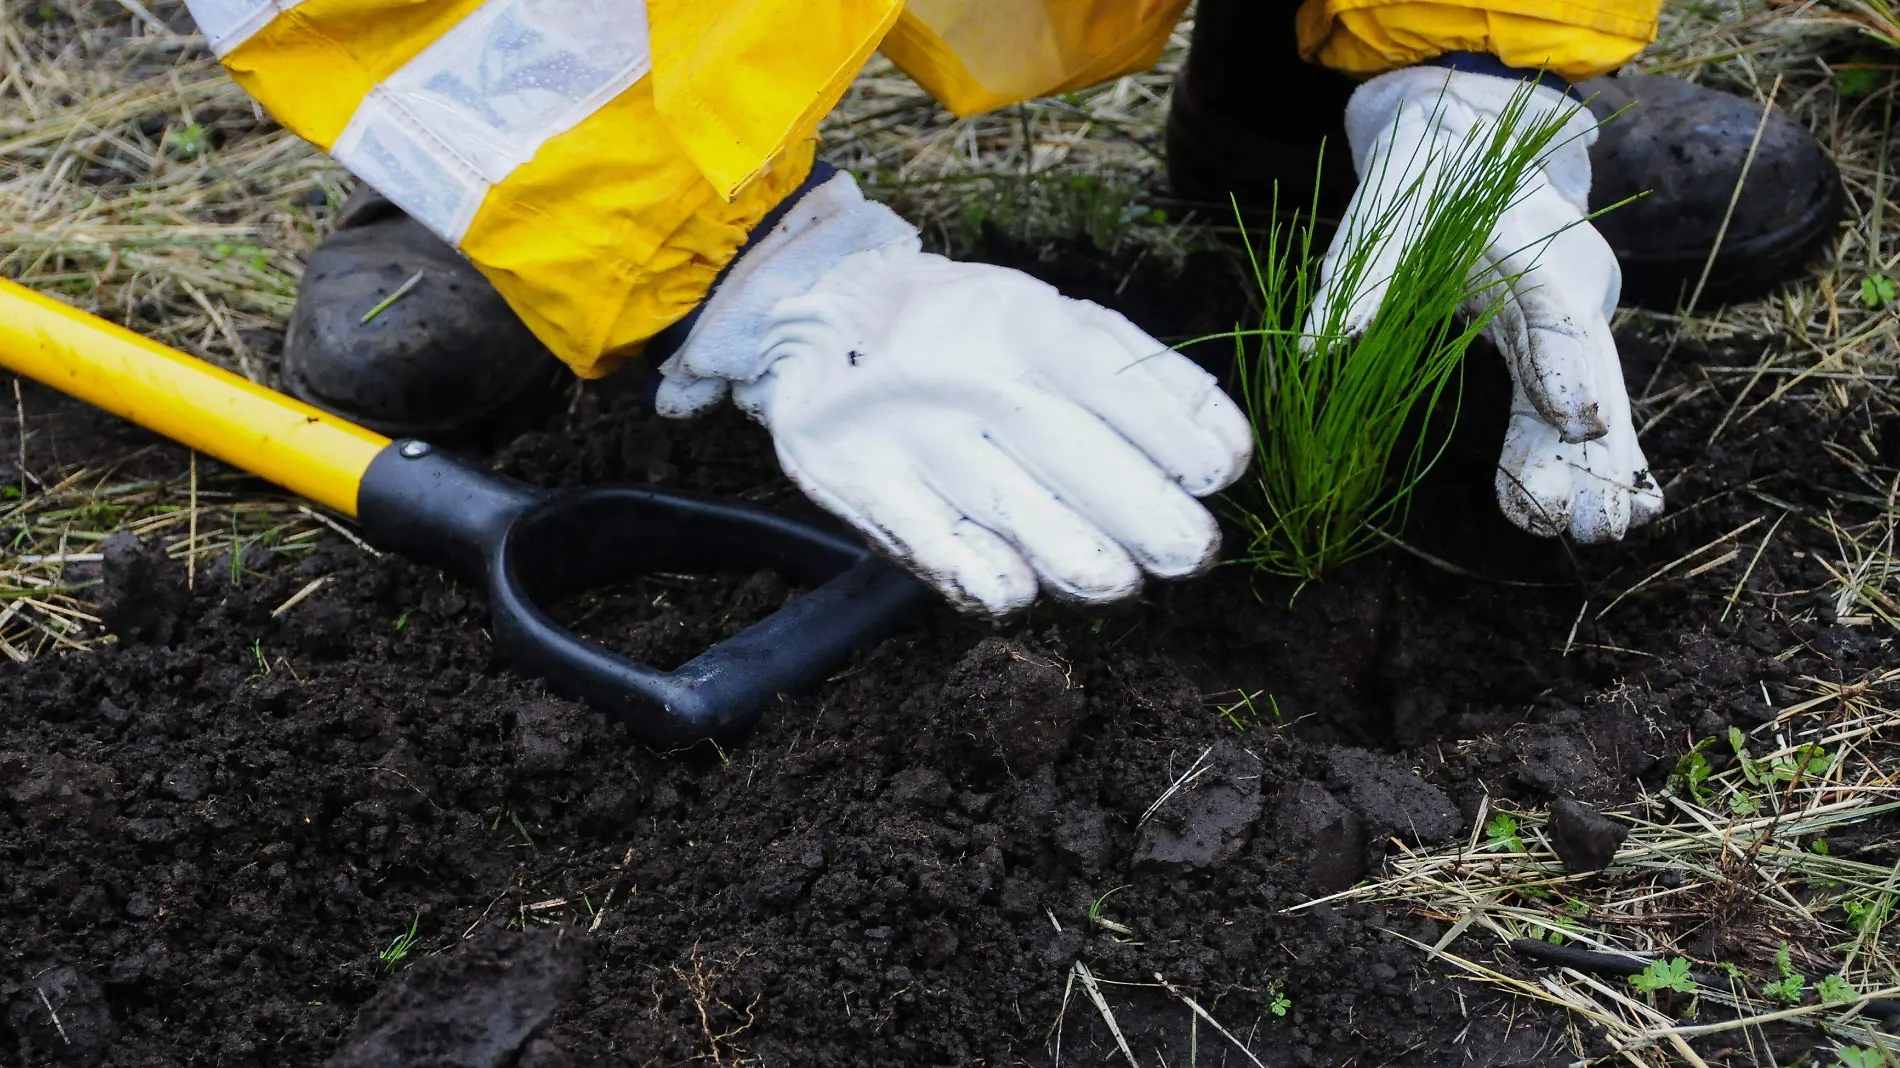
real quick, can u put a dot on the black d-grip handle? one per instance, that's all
(530, 547)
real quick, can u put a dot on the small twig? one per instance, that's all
(1735, 196)
(60, 1027)
(1736, 593)
(1193, 772)
(1089, 987)
(1570, 641)
(139, 10)
(605, 904)
(191, 530)
(401, 292)
(297, 598)
(19, 417)
(340, 529)
(1677, 562)
(1215, 1024)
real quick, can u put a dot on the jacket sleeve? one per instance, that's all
(979, 55)
(600, 196)
(1576, 39)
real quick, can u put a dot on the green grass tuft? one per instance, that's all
(1332, 412)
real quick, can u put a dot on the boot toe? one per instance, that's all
(1679, 149)
(445, 357)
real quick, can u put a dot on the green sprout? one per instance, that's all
(1331, 410)
(1280, 1004)
(1876, 291)
(1836, 990)
(1096, 919)
(1789, 987)
(398, 949)
(1863, 914)
(1501, 833)
(1853, 83)
(1859, 1057)
(1803, 762)
(189, 141)
(1670, 974)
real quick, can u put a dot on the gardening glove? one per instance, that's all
(1571, 461)
(990, 434)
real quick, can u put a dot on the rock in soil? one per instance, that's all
(57, 792)
(61, 1011)
(1323, 840)
(144, 591)
(1585, 839)
(1009, 708)
(473, 1007)
(1392, 800)
(1205, 822)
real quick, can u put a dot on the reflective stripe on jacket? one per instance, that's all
(601, 160)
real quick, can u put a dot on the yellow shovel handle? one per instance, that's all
(307, 451)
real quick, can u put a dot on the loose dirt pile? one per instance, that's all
(212, 833)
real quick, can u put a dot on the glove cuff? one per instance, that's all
(1486, 63)
(786, 257)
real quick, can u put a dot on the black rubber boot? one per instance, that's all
(445, 361)
(1684, 146)
(1248, 113)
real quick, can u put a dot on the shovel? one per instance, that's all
(526, 547)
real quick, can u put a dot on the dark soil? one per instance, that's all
(201, 863)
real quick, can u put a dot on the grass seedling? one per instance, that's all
(398, 949)
(1332, 410)
(1096, 919)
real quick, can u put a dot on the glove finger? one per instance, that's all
(1110, 483)
(973, 567)
(1072, 556)
(684, 398)
(1550, 325)
(1533, 481)
(1601, 509)
(1158, 399)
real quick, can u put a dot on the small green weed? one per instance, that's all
(1244, 716)
(393, 954)
(1692, 771)
(1501, 833)
(1788, 988)
(1859, 1057)
(1852, 83)
(1280, 1004)
(1861, 914)
(1876, 291)
(1836, 990)
(1670, 974)
(188, 141)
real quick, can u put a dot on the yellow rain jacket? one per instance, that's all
(601, 160)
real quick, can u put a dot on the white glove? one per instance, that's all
(1571, 461)
(989, 433)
